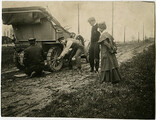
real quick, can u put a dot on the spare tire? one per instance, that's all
(17, 58)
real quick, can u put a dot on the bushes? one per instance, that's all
(139, 74)
(7, 56)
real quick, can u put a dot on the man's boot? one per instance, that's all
(92, 70)
(96, 70)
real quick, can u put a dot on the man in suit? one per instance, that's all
(94, 46)
(33, 59)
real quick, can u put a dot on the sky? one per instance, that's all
(129, 15)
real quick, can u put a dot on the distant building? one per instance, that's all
(7, 31)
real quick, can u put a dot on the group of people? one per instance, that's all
(100, 41)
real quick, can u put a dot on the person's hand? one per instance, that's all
(60, 57)
(115, 49)
(73, 59)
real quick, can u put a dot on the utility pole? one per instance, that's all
(78, 21)
(112, 16)
(138, 37)
(143, 31)
(124, 34)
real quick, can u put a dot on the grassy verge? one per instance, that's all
(133, 97)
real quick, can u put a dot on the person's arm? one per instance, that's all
(25, 60)
(66, 49)
(110, 47)
(114, 44)
(107, 44)
(114, 47)
(43, 54)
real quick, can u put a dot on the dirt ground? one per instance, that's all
(20, 95)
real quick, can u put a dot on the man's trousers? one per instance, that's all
(35, 68)
(94, 51)
(77, 54)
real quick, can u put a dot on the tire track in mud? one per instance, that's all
(20, 96)
(131, 50)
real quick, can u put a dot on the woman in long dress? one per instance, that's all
(109, 64)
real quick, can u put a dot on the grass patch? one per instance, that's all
(133, 97)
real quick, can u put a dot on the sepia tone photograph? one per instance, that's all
(78, 59)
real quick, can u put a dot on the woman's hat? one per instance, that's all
(102, 25)
(80, 38)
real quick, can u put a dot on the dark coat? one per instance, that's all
(95, 34)
(108, 60)
(33, 55)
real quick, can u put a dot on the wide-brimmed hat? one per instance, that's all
(91, 19)
(32, 39)
(102, 25)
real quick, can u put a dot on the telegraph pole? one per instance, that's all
(112, 16)
(78, 21)
(143, 31)
(138, 37)
(124, 34)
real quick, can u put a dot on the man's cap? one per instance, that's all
(32, 39)
(91, 19)
(102, 25)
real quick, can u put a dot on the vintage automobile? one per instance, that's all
(35, 22)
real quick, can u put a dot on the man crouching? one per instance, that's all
(77, 49)
(34, 59)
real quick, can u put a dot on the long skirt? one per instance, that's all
(112, 76)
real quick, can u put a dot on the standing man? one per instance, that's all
(33, 59)
(94, 46)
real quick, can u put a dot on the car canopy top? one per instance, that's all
(26, 15)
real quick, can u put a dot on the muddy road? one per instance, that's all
(20, 95)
